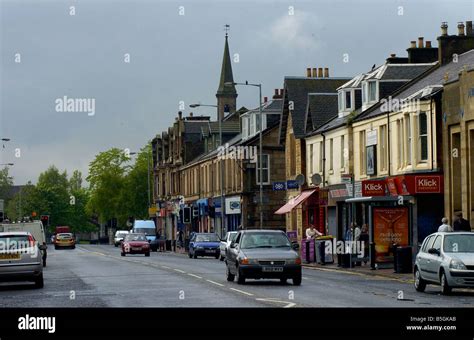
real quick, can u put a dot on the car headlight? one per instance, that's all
(293, 261)
(246, 260)
(457, 264)
(199, 247)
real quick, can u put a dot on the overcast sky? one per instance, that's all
(174, 58)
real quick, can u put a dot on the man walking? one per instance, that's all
(460, 224)
(445, 227)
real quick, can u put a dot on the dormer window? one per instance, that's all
(372, 91)
(348, 102)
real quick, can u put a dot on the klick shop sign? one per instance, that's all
(373, 188)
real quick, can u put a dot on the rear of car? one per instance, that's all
(204, 244)
(20, 258)
(64, 240)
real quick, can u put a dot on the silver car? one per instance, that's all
(225, 243)
(20, 258)
(445, 259)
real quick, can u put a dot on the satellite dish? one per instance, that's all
(300, 179)
(316, 179)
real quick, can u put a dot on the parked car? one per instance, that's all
(445, 259)
(256, 254)
(119, 235)
(20, 258)
(225, 243)
(135, 244)
(204, 244)
(64, 240)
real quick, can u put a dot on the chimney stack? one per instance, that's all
(276, 93)
(308, 72)
(428, 44)
(469, 31)
(320, 72)
(413, 44)
(460, 29)
(326, 72)
(393, 55)
(190, 114)
(314, 72)
(265, 99)
(420, 42)
(180, 115)
(281, 93)
(444, 28)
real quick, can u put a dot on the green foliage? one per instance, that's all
(6, 183)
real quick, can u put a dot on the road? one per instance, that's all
(97, 276)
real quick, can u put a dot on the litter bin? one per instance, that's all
(403, 260)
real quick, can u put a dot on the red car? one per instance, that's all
(135, 244)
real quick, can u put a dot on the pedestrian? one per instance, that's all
(180, 239)
(357, 232)
(445, 227)
(312, 232)
(460, 224)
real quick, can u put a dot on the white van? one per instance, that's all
(146, 227)
(35, 228)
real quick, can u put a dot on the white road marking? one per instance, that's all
(305, 278)
(199, 277)
(166, 267)
(286, 303)
(179, 271)
(241, 291)
(216, 283)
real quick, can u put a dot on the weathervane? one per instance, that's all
(226, 29)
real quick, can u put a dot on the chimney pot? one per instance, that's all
(320, 72)
(393, 55)
(460, 28)
(444, 28)
(180, 115)
(469, 31)
(276, 92)
(281, 93)
(308, 72)
(326, 72)
(428, 44)
(413, 44)
(420, 42)
(265, 99)
(314, 72)
(190, 114)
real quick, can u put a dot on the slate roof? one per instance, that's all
(191, 126)
(430, 78)
(228, 127)
(296, 89)
(403, 71)
(321, 108)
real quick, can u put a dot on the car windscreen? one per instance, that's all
(146, 231)
(12, 242)
(460, 243)
(135, 238)
(265, 240)
(232, 236)
(64, 236)
(121, 233)
(207, 238)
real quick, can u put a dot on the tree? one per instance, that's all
(6, 183)
(106, 178)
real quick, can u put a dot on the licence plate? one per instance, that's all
(135, 248)
(210, 251)
(14, 256)
(272, 269)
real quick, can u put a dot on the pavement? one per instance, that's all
(97, 276)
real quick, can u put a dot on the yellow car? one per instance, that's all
(64, 240)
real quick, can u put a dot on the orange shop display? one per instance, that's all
(390, 227)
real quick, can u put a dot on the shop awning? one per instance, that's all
(294, 202)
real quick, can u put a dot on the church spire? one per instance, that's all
(226, 94)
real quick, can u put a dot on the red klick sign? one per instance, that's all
(373, 188)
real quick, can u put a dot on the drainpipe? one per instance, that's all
(388, 142)
(431, 133)
(324, 158)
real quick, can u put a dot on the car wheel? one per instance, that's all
(39, 282)
(221, 258)
(56, 247)
(283, 280)
(116, 245)
(218, 256)
(147, 254)
(190, 256)
(73, 247)
(230, 276)
(195, 255)
(122, 253)
(297, 280)
(240, 277)
(445, 288)
(420, 284)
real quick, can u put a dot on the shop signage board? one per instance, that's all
(371, 138)
(427, 184)
(232, 205)
(373, 188)
(292, 184)
(390, 227)
(358, 189)
(278, 186)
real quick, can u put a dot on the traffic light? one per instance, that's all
(45, 220)
(187, 215)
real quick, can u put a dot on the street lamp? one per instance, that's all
(221, 163)
(7, 164)
(260, 141)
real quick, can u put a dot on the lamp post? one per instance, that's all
(260, 143)
(221, 164)
(7, 164)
